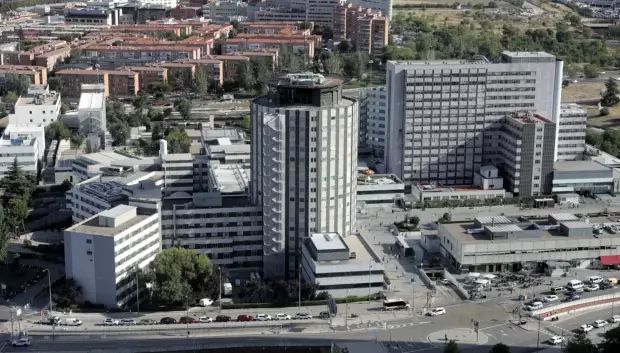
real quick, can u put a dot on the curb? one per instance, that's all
(521, 326)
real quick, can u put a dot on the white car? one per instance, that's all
(205, 302)
(586, 328)
(283, 317)
(205, 319)
(555, 340)
(262, 317)
(599, 323)
(551, 298)
(592, 288)
(302, 316)
(437, 312)
(614, 319)
(110, 322)
(22, 342)
(127, 322)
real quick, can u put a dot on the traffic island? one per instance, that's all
(462, 336)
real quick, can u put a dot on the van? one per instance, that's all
(612, 281)
(72, 322)
(574, 284)
(595, 279)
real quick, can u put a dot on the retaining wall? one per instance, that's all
(574, 307)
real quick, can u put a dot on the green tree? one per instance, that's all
(355, 65)
(451, 347)
(591, 70)
(345, 46)
(167, 112)
(120, 133)
(594, 138)
(11, 97)
(55, 84)
(611, 341)
(18, 211)
(57, 131)
(570, 70)
(77, 140)
(16, 183)
(178, 141)
(580, 343)
(178, 272)
(246, 122)
(5, 234)
(184, 107)
(67, 294)
(201, 81)
(333, 65)
(610, 98)
(289, 61)
(17, 83)
(415, 221)
(500, 348)
(245, 76)
(260, 71)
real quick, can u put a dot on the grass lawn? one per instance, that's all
(576, 92)
(15, 278)
(378, 79)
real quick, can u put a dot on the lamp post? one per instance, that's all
(219, 302)
(49, 284)
(538, 334)
(370, 77)
(137, 289)
(187, 314)
(299, 287)
(369, 283)
(346, 311)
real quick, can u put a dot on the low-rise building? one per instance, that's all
(184, 12)
(72, 81)
(214, 70)
(269, 56)
(123, 83)
(303, 47)
(379, 188)
(224, 11)
(154, 53)
(168, 4)
(582, 177)
(342, 266)
(148, 75)
(26, 144)
(496, 244)
(231, 64)
(105, 253)
(182, 71)
(52, 59)
(92, 16)
(86, 166)
(37, 107)
(36, 74)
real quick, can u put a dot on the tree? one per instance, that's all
(591, 71)
(604, 111)
(5, 235)
(17, 83)
(260, 72)
(64, 107)
(355, 65)
(184, 107)
(288, 61)
(610, 98)
(67, 294)
(451, 347)
(345, 46)
(246, 122)
(167, 112)
(140, 102)
(500, 348)
(57, 131)
(245, 76)
(611, 341)
(11, 97)
(415, 221)
(16, 183)
(182, 275)
(77, 140)
(18, 211)
(66, 185)
(580, 343)
(55, 84)
(120, 133)
(201, 81)
(178, 141)
(570, 70)
(333, 65)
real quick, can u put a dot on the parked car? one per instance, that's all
(205, 319)
(283, 316)
(606, 285)
(555, 340)
(187, 320)
(592, 288)
(147, 322)
(558, 289)
(577, 290)
(573, 298)
(21, 342)
(205, 302)
(127, 322)
(551, 298)
(110, 322)
(245, 318)
(324, 315)
(614, 319)
(302, 316)
(222, 318)
(262, 317)
(437, 312)
(586, 328)
(167, 321)
(599, 323)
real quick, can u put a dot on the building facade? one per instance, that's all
(37, 107)
(572, 132)
(104, 253)
(304, 134)
(441, 112)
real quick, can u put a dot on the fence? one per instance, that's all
(576, 306)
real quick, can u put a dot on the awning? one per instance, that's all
(610, 260)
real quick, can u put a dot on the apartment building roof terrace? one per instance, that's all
(93, 226)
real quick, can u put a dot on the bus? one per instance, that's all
(395, 304)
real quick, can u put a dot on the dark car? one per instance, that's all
(187, 320)
(147, 322)
(245, 318)
(167, 321)
(222, 318)
(606, 285)
(324, 315)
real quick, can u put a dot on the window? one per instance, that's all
(89, 252)
(89, 241)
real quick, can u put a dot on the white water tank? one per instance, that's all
(163, 147)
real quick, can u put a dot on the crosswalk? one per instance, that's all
(378, 325)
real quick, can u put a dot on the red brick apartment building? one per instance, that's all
(184, 12)
(367, 29)
(270, 56)
(36, 74)
(231, 64)
(72, 81)
(123, 83)
(156, 53)
(299, 46)
(147, 75)
(214, 68)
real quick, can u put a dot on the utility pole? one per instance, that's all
(412, 297)
(219, 302)
(138, 290)
(299, 286)
(538, 335)
(369, 283)
(12, 327)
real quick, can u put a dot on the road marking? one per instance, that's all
(488, 327)
(2, 346)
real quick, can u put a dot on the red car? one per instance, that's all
(187, 320)
(245, 318)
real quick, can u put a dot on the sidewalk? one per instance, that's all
(459, 335)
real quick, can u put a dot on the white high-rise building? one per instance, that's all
(105, 252)
(37, 107)
(373, 119)
(572, 132)
(443, 114)
(385, 6)
(304, 165)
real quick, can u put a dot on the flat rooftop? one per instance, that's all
(105, 157)
(38, 99)
(232, 178)
(377, 179)
(575, 166)
(92, 101)
(214, 134)
(327, 241)
(91, 225)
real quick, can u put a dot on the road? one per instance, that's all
(601, 78)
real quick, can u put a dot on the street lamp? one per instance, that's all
(49, 284)
(346, 311)
(299, 286)
(369, 283)
(220, 298)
